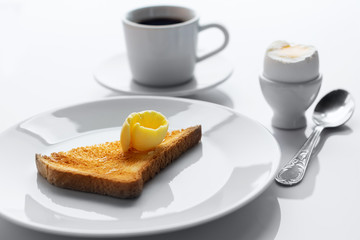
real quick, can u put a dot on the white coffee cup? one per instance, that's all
(165, 54)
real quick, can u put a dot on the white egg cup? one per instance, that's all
(289, 101)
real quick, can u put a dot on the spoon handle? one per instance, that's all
(294, 170)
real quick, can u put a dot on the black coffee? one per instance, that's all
(160, 21)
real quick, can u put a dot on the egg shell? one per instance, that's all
(292, 72)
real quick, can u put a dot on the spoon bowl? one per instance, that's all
(333, 110)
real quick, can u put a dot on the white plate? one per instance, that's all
(115, 75)
(235, 161)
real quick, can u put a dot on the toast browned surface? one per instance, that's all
(106, 169)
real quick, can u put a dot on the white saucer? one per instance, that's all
(114, 74)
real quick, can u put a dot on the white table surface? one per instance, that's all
(48, 50)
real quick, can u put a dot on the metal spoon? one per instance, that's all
(333, 110)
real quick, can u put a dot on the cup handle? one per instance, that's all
(225, 43)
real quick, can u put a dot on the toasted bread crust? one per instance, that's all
(128, 187)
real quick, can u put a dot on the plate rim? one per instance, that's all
(173, 227)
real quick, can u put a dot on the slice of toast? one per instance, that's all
(106, 169)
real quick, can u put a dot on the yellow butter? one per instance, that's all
(143, 130)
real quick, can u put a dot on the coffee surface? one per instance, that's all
(160, 21)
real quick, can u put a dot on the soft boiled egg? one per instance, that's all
(287, 62)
